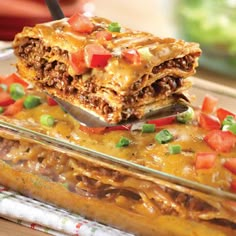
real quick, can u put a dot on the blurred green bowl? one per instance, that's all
(211, 23)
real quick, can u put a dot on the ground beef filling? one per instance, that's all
(184, 63)
(34, 53)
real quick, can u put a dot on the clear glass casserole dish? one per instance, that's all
(140, 189)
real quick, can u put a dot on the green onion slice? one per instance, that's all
(123, 142)
(148, 128)
(185, 116)
(1, 110)
(16, 91)
(32, 101)
(164, 136)
(3, 87)
(47, 120)
(114, 27)
(232, 128)
(229, 120)
(174, 149)
(225, 127)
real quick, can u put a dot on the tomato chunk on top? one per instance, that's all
(96, 56)
(81, 23)
(220, 141)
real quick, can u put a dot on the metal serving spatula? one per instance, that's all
(90, 120)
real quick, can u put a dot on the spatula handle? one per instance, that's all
(55, 9)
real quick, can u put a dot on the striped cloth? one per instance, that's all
(49, 219)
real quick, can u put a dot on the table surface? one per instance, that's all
(7, 228)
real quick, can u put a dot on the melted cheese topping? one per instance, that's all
(143, 150)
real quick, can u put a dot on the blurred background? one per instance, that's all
(212, 23)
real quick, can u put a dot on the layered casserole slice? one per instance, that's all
(111, 71)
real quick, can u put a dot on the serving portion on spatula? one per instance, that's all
(114, 74)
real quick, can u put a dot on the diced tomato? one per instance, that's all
(205, 160)
(81, 23)
(77, 61)
(96, 56)
(222, 113)
(131, 55)
(230, 164)
(162, 121)
(51, 101)
(13, 78)
(14, 108)
(5, 99)
(233, 186)
(104, 35)
(209, 122)
(89, 130)
(209, 104)
(118, 127)
(220, 141)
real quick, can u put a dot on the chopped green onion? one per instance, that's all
(232, 128)
(114, 27)
(145, 53)
(229, 120)
(32, 101)
(4, 87)
(185, 116)
(47, 120)
(123, 142)
(1, 110)
(174, 149)
(16, 91)
(225, 127)
(164, 136)
(229, 124)
(148, 128)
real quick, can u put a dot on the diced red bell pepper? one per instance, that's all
(230, 164)
(104, 35)
(131, 56)
(81, 23)
(220, 141)
(51, 101)
(118, 127)
(233, 186)
(222, 113)
(209, 104)
(162, 121)
(89, 130)
(209, 122)
(77, 61)
(13, 78)
(5, 99)
(205, 160)
(96, 56)
(14, 108)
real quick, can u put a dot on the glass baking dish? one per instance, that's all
(103, 186)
